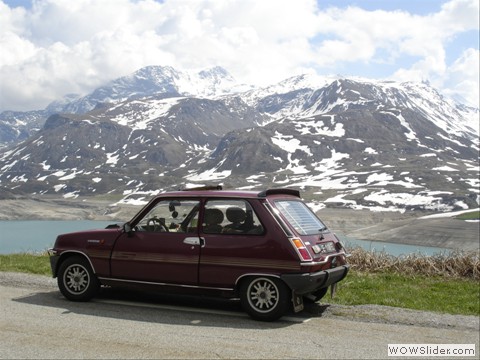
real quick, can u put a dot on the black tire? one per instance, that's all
(76, 279)
(316, 295)
(264, 298)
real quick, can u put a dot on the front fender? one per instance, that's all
(57, 259)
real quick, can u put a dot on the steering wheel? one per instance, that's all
(156, 225)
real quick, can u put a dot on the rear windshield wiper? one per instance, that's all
(321, 230)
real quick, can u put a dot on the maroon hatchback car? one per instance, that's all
(267, 249)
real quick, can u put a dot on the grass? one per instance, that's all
(26, 263)
(474, 215)
(427, 293)
(448, 284)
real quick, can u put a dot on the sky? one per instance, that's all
(51, 48)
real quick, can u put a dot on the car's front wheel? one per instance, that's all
(76, 279)
(264, 298)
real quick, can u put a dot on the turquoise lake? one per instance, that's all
(33, 236)
(39, 235)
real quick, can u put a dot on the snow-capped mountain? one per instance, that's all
(159, 81)
(345, 142)
(303, 96)
(163, 81)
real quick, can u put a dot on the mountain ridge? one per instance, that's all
(345, 142)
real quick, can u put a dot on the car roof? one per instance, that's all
(219, 192)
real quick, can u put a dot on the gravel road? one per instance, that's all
(37, 322)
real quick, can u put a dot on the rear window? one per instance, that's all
(303, 220)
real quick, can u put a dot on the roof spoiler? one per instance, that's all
(265, 193)
(208, 187)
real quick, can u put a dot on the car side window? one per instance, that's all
(172, 215)
(230, 216)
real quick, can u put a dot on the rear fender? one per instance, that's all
(249, 275)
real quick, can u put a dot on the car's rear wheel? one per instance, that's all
(264, 298)
(76, 279)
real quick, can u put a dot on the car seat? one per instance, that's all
(236, 216)
(212, 220)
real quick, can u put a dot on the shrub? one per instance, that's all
(455, 264)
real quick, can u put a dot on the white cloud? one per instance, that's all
(462, 76)
(62, 46)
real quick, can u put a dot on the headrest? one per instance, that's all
(236, 214)
(213, 216)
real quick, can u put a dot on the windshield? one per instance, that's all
(172, 215)
(303, 220)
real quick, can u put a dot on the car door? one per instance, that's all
(162, 247)
(234, 243)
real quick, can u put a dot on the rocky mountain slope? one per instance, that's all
(162, 81)
(345, 142)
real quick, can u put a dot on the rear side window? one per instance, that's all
(230, 216)
(303, 220)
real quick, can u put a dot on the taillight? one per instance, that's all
(301, 249)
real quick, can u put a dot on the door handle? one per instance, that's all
(192, 241)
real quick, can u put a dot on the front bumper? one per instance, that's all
(309, 282)
(53, 261)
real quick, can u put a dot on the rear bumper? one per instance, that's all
(310, 282)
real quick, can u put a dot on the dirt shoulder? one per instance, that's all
(50, 208)
(408, 228)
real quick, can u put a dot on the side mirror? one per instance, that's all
(127, 228)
